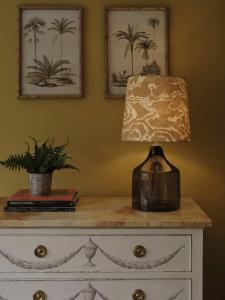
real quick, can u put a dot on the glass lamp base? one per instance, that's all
(156, 183)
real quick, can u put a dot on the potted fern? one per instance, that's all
(40, 164)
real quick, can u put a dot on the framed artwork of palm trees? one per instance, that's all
(50, 52)
(135, 43)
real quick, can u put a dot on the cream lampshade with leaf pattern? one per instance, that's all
(156, 111)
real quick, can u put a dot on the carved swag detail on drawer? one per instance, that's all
(90, 249)
(90, 293)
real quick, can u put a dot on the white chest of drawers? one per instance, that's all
(105, 250)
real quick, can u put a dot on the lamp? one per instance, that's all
(156, 111)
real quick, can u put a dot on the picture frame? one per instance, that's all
(136, 42)
(50, 63)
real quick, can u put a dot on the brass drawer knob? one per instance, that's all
(40, 251)
(39, 295)
(139, 251)
(138, 295)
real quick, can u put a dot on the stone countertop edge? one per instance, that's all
(108, 212)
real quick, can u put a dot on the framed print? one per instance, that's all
(135, 43)
(50, 52)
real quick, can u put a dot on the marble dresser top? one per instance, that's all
(108, 212)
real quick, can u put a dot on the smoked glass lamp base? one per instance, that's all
(156, 183)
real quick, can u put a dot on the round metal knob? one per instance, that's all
(138, 295)
(139, 251)
(40, 251)
(39, 295)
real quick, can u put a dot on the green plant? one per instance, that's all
(45, 158)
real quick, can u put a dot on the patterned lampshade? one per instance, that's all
(156, 110)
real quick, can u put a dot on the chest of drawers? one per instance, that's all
(105, 250)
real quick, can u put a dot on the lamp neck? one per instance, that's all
(156, 150)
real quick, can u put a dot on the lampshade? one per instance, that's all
(156, 110)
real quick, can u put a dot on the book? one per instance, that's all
(39, 209)
(59, 198)
(41, 203)
(56, 195)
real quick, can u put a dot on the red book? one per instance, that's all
(56, 195)
(58, 200)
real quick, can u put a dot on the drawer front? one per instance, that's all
(155, 289)
(95, 253)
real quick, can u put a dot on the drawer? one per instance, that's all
(95, 253)
(154, 289)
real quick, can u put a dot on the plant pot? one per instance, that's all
(40, 184)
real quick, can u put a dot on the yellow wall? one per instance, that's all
(196, 52)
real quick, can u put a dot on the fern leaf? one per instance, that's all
(69, 166)
(14, 162)
(46, 158)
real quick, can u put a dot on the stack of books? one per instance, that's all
(58, 200)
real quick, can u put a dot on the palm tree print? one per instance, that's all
(62, 27)
(153, 22)
(44, 70)
(33, 27)
(144, 46)
(132, 37)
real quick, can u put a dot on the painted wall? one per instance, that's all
(196, 52)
